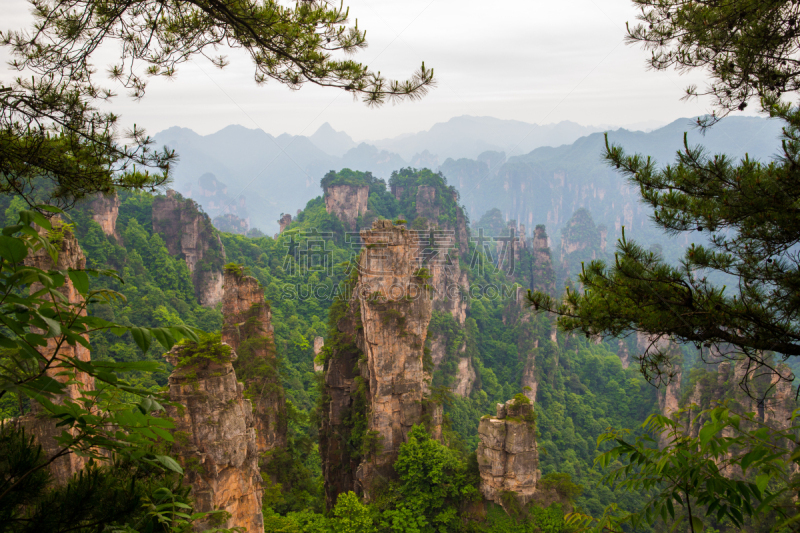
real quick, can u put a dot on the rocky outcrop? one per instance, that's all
(449, 285)
(230, 223)
(426, 204)
(465, 377)
(284, 221)
(347, 202)
(508, 457)
(780, 401)
(603, 231)
(248, 330)
(345, 399)
(748, 388)
(580, 243)
(624, 354)
(105, 210)
(376, 366)
(462, 234)
(518, 315)
(395, 314)
(215, 434)
(544, 278)
(44, 430)
(189, 234)
(669, 397)
(319, 343)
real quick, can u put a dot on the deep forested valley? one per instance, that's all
(495, 324)
(483, 346)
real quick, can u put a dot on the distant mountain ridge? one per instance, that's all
(547, 185)
(266, 175)
(280, 174)
(468, 136)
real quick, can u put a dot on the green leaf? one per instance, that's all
(751, 457)
(180, 332)
(670, 508)
(164, 337)
(707, 433)
(80, 280)
(11, 230)
(697, 524)
(45, 384)
(169, 463)
(762, 481)
(54, 327)
(5, 342)
(142, 338)
(34, 217)
(164, 434)
(52, 209)
(12, 249)
(141, 366)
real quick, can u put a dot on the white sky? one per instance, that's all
(536, 61)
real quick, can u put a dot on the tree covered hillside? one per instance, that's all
(583, 388)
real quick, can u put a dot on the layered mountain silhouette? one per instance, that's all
(532, 173)
(547, 185)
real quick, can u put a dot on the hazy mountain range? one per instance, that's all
(533, 173)
(547, 185)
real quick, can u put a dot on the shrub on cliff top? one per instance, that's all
(209, 348)
(347, 177)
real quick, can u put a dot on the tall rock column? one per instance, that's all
(544, 278)
(70, 256)
(395, 313)
(448, 285)
(105, 210)
(508, 457)
(344, 398)
(374, 371)
(189, 234)
(248, 330)
(347, 202)
(215, 434)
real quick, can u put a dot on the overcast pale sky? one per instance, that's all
(536, 61)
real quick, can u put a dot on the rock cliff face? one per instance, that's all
(230, 223)
(395, 328)
(508, 456)
(518, 315)
(105, 210)
(544, 278)
(426, 203)
(215, 434)
(376, 367)
(624, 354)
(669, 396)
(465, 377)
(319, 343)
(767, 394)
(448, 283)
(347, 202)
(284, 221)
(248, 330)
(345, 399)
(44, 430)
(189, 234)
(580, 242)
